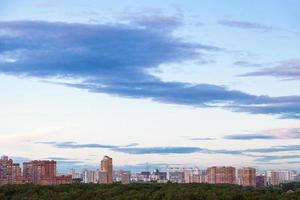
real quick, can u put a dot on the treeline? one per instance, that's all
(170, 191)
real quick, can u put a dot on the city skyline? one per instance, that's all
(187, 83)
(44, 172)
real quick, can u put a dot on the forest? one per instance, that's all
(169, 191)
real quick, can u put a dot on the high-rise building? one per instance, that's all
(220, 175)
(195, 175)
(211, 175)
(107, 166)
(90, 176)
(41, 172)
(280, 176)
(272, 177)
(63, 179)
(158, 176)
(293, 175)
(175, 175)
(145, 176)
(35, 172)
(10, 172)
(125, 177)
(286, 176)
(246, 177)
(260, 180)
(102, 177)
(76, 175)
(122, 176)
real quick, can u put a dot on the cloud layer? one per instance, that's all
(286, 69)
(170, 149)
(260, 155)
(283, 133)
(116, 58)
(245, 25)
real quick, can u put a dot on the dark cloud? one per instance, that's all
(74, 145)
(274, 149)
(159, 150)
(260, 155)
(115, 59)
(224, 151)
(248, 136)
(129, 149)
(245, 25)
(286, 69)
(157, 21)
(134, 149)
(285, 109)
(266, 159)
(247, 64)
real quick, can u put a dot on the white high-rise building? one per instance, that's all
(175, 175)
(90, 176)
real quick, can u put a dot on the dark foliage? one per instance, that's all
(168, 191)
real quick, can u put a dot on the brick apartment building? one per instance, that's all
(10, 172)
(246, 177)
(41, 172)
(221, 175)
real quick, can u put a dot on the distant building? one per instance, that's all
(221, 175)
(195, 175)
(272, 178)
(283, 176)
(286, 176)
(293, 175)
(125, 177)
(280, 176)
(175, 175)
(145, 176)
(191, 175)
(102, 177)
(122, 176)
(203, 176)
(90, 176)
(158, 176)
(297, 178)
(260, 181)
(63, 179)
(107, 166)
(76, 175)
(138, 178)
(246, 177)
(10, 172)
(42, 172)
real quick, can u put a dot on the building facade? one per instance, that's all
(42, 172)
(272, 178)
(221, 175)
(175, 175)
(10, 172)
(246, 177)
(107, 167)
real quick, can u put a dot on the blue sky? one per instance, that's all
(177, 82)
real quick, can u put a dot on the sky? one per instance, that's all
(151, 83)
